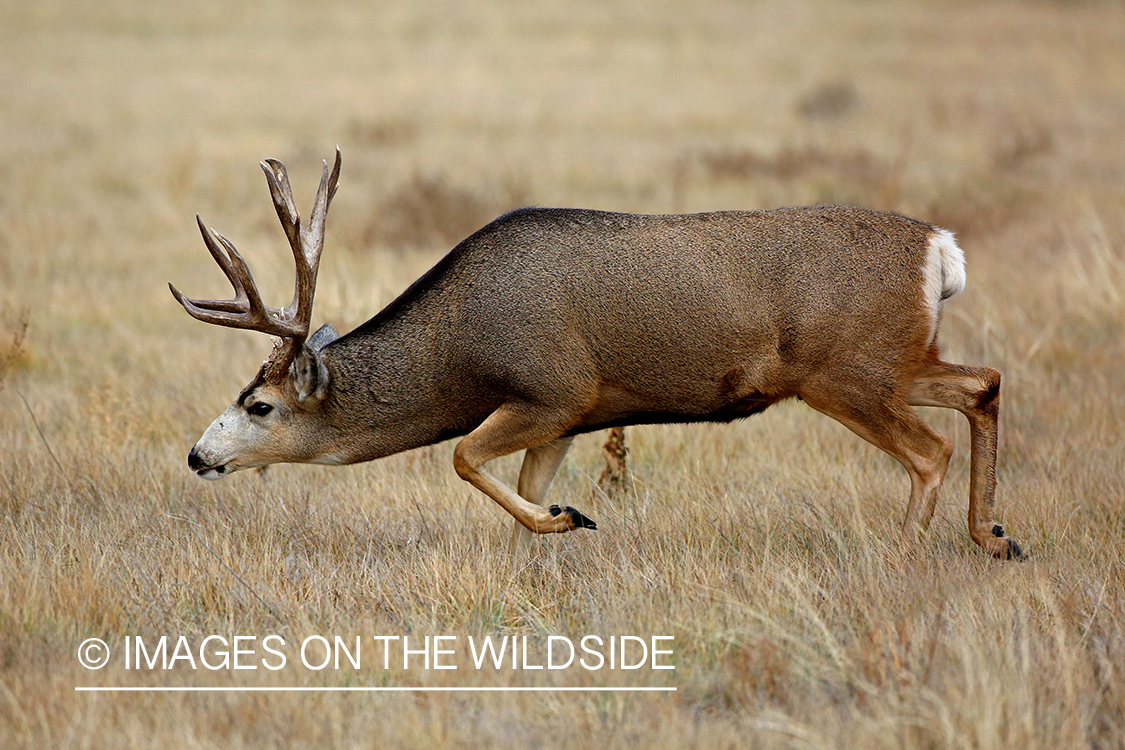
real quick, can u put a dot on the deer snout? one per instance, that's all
(194, 462)
(200, 466)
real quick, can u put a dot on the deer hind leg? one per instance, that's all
(514, 427)
(975, 392)
(898, 430)
(540, 464)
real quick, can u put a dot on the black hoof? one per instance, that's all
(1014, 550)
(580, 521)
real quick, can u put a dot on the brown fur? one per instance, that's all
(548, 323)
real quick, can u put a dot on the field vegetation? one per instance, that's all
(769, 548)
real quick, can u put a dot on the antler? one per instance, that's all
(247, 310)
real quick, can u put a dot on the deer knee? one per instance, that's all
(930, 471)
(465, 465)
(927, 467)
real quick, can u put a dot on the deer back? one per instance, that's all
(629, 318)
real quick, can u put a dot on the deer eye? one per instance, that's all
(260, 409)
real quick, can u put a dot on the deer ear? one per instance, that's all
(324, 336)
(309, 375)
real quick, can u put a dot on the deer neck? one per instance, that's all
(392, 392)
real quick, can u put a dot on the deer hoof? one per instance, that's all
(1006, 548)
(577, 520)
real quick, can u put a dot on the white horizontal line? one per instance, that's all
(193, 689)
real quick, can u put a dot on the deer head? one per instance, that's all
(273, 418)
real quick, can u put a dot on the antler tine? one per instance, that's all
(246, 310)
(324, 194)
(282, 194)
(314, 232)
(334, 180)
(306, 243)
(283, 203)
(269, 319)
(239, 303)
(312, 240)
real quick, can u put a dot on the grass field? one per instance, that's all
(768, 549)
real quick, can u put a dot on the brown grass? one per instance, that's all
(769, 548)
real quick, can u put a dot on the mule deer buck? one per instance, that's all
(549, 323)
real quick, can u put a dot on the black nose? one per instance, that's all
(194, 462)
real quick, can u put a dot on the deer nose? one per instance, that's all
(194, 462)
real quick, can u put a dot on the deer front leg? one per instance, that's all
(540, 464)
(510, 428)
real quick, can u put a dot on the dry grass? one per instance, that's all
(768, 548)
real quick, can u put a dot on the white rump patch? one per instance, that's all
(943, 274)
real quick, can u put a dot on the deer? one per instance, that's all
(548, 323)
